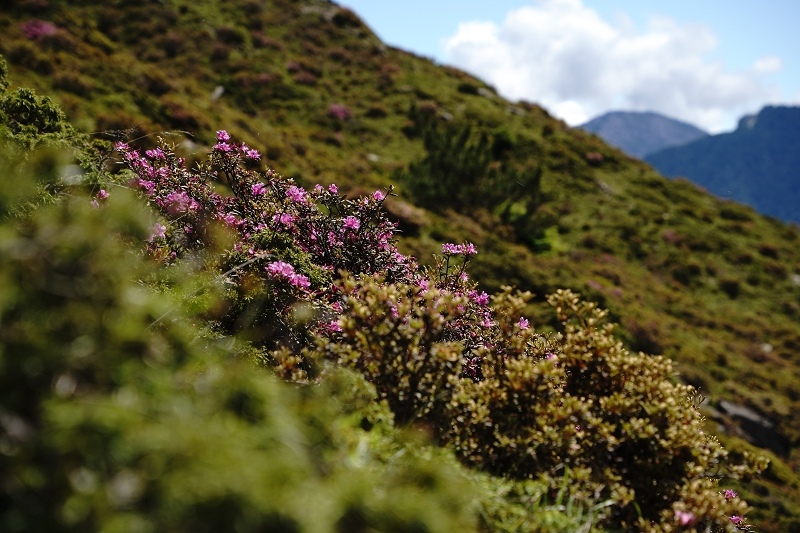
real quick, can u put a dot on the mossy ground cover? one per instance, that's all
(707, 282)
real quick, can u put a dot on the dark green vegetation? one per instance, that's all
(706, 282)
(756, 164)
(642, 133)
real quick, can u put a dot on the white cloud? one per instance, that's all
(768, 64)
(565, 56)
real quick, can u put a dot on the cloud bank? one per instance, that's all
(563, 55)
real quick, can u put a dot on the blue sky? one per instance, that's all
(707, 62)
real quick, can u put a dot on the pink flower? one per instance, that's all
(736, 520)
(180, 202)
(250, 153)
(378, 196)
(230, 219)
(147, 186)
(729, 494)
(223, 136)
(684, 518)
(223, 147)
(159, 231)
(523, 323)
(280, 268)
(285, 270)
(334, 239)
(333, 326)
(299, 280)
(99, 198)
(459, 249)
(155, 153)
(352, 223)
(449, 248)
(480, 299)
(258, 189)
(333, 189)
(297, 194)
(285, 219)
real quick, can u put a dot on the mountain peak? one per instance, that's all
(639, 133)
(772, 117)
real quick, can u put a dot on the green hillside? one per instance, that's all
(709, 283)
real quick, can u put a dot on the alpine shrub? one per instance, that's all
(438, 352)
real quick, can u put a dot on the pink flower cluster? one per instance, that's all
(99, 198)
(466, 249)
(180, 202)
(159, 231)
(684, 518)
(296, 194)
(268, 213)
(36, 29)
(285, 270)
(339, 111)
(352, 223)
(224, 146)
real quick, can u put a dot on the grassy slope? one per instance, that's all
(704, 281)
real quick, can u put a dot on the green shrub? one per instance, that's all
(465, 169)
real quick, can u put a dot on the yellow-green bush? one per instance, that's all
(617, 425)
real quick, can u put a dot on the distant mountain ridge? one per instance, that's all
(757, 164)
(641, 133)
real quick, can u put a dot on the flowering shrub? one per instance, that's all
(289, 243)
(438, 352)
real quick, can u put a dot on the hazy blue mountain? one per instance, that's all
(642, 133)
(757, 164)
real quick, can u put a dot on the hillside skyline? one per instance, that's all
(681, 59)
